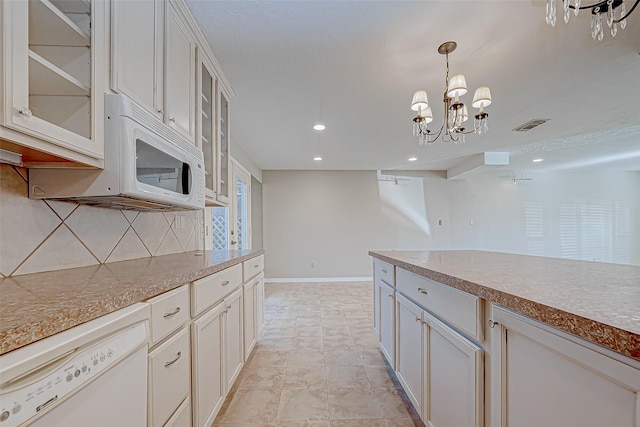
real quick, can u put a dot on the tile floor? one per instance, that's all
(317, 364)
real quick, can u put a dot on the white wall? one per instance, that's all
(333, 218)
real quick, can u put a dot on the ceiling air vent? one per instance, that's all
(530, 125)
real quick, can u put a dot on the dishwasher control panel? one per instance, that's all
(22, 403)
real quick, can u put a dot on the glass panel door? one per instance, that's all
(241, 208)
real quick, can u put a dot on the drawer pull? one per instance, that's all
(422, 291)
(225, 283)
(418, 319)
(171, 362)
(384, 271)
(492, 324)
(228, 308)
(173, 313)
(256, 266)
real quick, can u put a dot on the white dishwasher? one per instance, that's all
(94, 374)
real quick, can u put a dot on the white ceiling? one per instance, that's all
(354, 66)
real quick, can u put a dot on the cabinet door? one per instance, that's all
(259, 304)
(542, 379)
(207, 128)
(453, 377)
(387, 323)
(233, 343)
(180, 62)
(249, 296)
(409, 350)
(376, 309)
(224, 156)
(137, 67)
(53, 70)
(207, 365)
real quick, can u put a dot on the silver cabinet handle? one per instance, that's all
(228, 307)
(390, 296)
(172, 119)
(492, 324)
(384, 271)
(25, 111)
(225, 283)
(161, 111)
(418, 319)
(173, 313)
(256, 266)
(233, 242)
(171, 362)
(422, 291)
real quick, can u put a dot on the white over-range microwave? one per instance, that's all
(147, 166)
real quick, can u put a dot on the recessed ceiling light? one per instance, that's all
(412, 159)
(537, 160)
(317, 158)
(319, 126)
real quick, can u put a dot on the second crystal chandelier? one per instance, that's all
(455, 112)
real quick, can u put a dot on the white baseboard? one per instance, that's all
(316, 279)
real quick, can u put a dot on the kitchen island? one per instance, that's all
(36, 306)
(481, 338)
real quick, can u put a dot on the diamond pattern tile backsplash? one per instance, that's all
(39, 235)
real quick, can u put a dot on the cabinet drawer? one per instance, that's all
(252, 267)
(182, 416)
(459, 308)
(169, 377)
(384, 271)
(211, 289)
(169, 311)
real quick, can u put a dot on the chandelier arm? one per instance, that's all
(430, 141)
(599, 4)
(622, 18)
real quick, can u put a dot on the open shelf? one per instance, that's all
(51, 27)
(47, 79)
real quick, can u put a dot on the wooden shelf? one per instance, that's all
(50, 27)
(47, 79)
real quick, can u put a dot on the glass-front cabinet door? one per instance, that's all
(224, 186)
(53, 59)
(207, 131)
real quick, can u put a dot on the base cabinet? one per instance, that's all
(233, 338)
(387, 322)
(409, 351)
(452, 377)
(540, 378)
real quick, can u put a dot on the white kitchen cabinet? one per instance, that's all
(544, 377)
(234, 340)
(182, 416)
(409, 350)
(260, 305)
(169, 382)
(180, 74)
(250, 311)
(387, 322)
(208, 383)
(224, 153)
(137, 44)
(452, 377)
(207, 129)
(52, 98)
(218, 356)
(154, 58)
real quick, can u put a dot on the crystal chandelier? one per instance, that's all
(455, 112)
(614, 11)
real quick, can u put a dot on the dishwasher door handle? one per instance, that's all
(38, 372)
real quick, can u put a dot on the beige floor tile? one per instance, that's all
(251, 406)
(269, 359)
(341, 341)
(324, 423)
(307, 343)
(308, 331)
(349, 376)
(371, 356)
(392, 402)
(275, 343)
(353, 403)
(301, 405)
(306, 321)
(216, 424)
(278, 331)
(358, 423)
(306, 358)
(342, 356)
(404, 422)
(305, 377)
(255, 378)
(378, 376)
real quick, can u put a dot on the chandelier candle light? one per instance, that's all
(615, 12)
(455, 112)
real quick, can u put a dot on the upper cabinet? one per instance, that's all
(51, 108)
(154, 59)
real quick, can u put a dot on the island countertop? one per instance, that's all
(35, 306)
(596, 301)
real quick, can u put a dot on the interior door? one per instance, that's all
(240, 208)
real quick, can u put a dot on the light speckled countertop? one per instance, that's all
(596, 301)
(35, 306)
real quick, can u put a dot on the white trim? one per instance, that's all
(316, 279)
